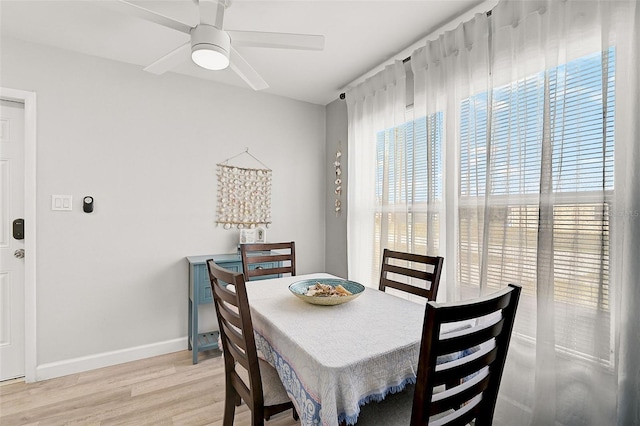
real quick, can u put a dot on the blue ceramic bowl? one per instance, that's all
(300, 288)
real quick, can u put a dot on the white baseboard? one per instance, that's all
(91, 362)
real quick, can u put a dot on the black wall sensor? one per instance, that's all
(87, 204)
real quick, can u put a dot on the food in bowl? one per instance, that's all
(324, 290)
(301, 290)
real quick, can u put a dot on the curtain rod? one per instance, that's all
(404, 61)
(407, 59)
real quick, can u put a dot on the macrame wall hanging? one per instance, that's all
(244, 195)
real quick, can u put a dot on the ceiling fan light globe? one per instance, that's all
(208, 57)
(210, 47)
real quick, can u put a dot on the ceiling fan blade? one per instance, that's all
(277, 40)
(170, 60)
(127, 8)
(246, 71)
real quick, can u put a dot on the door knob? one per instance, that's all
(19, 253)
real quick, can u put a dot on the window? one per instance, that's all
(408, 192)
(565, 118)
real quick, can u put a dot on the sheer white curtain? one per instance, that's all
(541, 182)
(565, 64)
(376, 105)
(626, 228)
(539, 145)
(446, 71)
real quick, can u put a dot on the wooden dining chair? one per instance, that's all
(263, 259)
(471, 354)
(247, 377)
(412, 273)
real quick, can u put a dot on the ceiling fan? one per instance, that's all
(213, 48)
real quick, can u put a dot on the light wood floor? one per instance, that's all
(163, 390)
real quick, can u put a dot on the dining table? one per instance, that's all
(334, 359)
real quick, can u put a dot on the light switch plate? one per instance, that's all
(62, 202)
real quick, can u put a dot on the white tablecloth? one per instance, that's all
(333, 359)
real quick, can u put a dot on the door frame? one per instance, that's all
(30, 350)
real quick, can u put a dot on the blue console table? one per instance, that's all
(200, 293)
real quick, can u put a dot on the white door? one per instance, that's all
(12, 305)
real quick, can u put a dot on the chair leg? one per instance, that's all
(229, 407)
(296, 417)
(257, 417)
(272, 410)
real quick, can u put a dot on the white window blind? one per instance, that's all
(500, 161)
(408, 189)
(570, 107)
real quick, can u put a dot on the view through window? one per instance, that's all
(408, 188)
(562, 119)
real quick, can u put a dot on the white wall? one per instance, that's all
(336, 239)
(146, 147)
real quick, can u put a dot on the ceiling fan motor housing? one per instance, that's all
(209, 38)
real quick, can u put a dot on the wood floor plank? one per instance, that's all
(163, 390)
(164, 405)
(180, 376)
(16, 389)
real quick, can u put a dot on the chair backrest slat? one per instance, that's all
(466, 417)
(275, 257)
(469, 340)
(269, 271)
(457, 400)
(231, 316)
(236, 341)
(401, 270)
(226, 296)
(459, 372)
(409, 272)
(282, 257)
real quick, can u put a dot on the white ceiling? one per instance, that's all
(359, 35)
